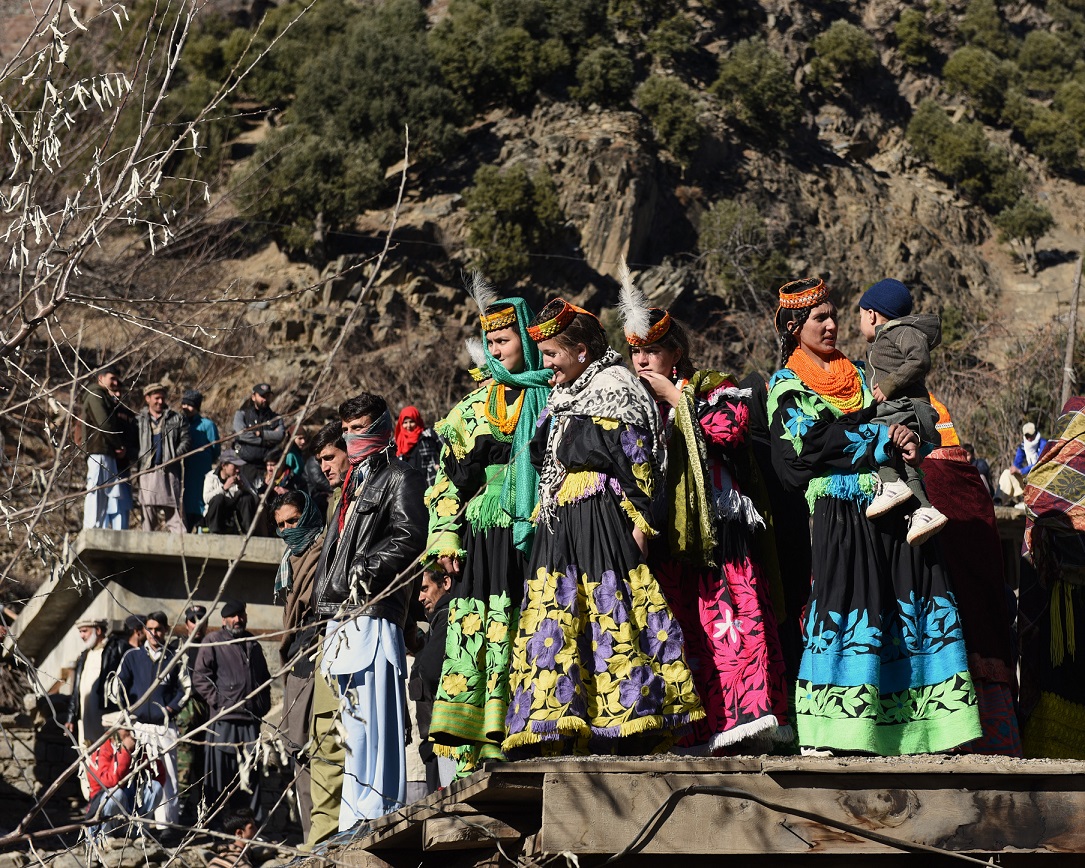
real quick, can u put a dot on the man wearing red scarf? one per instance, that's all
(362, 588)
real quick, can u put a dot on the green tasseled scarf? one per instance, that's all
(691, 528)
(521, 488)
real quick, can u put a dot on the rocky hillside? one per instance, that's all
(720, 147)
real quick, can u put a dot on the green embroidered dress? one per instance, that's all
(884, 668)
(472, 695)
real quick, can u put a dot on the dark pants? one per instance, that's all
(223, 782)
(231, 515)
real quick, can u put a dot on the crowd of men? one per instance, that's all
(175, 464)
(178, 712)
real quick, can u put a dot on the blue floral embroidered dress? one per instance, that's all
(884, 668)
(597, 664)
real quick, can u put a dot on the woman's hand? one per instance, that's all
(661, 387)
(879, 395)
(642, 543)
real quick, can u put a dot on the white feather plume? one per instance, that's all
(479, 288)
(476, 352)
(632, 304)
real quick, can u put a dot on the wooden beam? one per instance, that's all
(603, 813)
(467, 832)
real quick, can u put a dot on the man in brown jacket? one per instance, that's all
(107, 426)
(300, 525)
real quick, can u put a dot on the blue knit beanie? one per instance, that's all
(888, 297)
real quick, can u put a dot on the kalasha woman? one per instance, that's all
(973, 556)
(416, 444)
(481, 532)
(884, 668)
(704, 565)
(597, 664)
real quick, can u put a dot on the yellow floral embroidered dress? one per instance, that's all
(598, 663)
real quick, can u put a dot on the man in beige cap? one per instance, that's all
(1012, 481)
(164, 437)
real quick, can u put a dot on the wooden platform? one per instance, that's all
(786, 808)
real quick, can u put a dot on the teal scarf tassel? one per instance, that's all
(521, 489)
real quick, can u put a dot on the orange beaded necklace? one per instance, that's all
(841, 385)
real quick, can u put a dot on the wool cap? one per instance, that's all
(195, 613)
(151, 388)
(193, 398)
(232, 607)
(888, 297)
(91, 622)
(1028, 429)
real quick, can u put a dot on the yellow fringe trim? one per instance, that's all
(574, 726)
(1063, 639)
(638, 520)
(578, 486)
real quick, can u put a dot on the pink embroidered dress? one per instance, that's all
(718, 594)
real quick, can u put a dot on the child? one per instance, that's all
(113, 788)
(242, 825)
(899, 360)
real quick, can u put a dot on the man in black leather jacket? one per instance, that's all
(363, 587)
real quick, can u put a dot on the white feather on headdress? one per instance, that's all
(476, 352)
(479, 288)
(632, 304)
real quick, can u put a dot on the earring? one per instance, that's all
(674, 372)
(581, 358)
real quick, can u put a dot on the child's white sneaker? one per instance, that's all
(924, 523)
(887, 496)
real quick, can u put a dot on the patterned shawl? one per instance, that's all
(1055, 522)
(608, 390)
(1055, 500)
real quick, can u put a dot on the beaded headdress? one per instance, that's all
(636, 315)
(808, 292)
(553, 319)
(492, 315)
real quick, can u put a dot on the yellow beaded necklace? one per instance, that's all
(497, 411)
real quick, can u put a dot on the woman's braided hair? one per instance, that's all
(786, 318)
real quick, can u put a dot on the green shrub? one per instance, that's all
(740, 262)
(981, 76)
(913, 38)
(673, 38)
(843, 53)
(758, 89)
(961, 153)
(377, 79)
(604, 76)
(511, 215)
(637, 17)
(1045, 59)
(1049, 133)
(505, 51)
(982, 26)
(1024, 223)
(1070, 100)
(305, 178)
(275, 78)
(672, 109)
